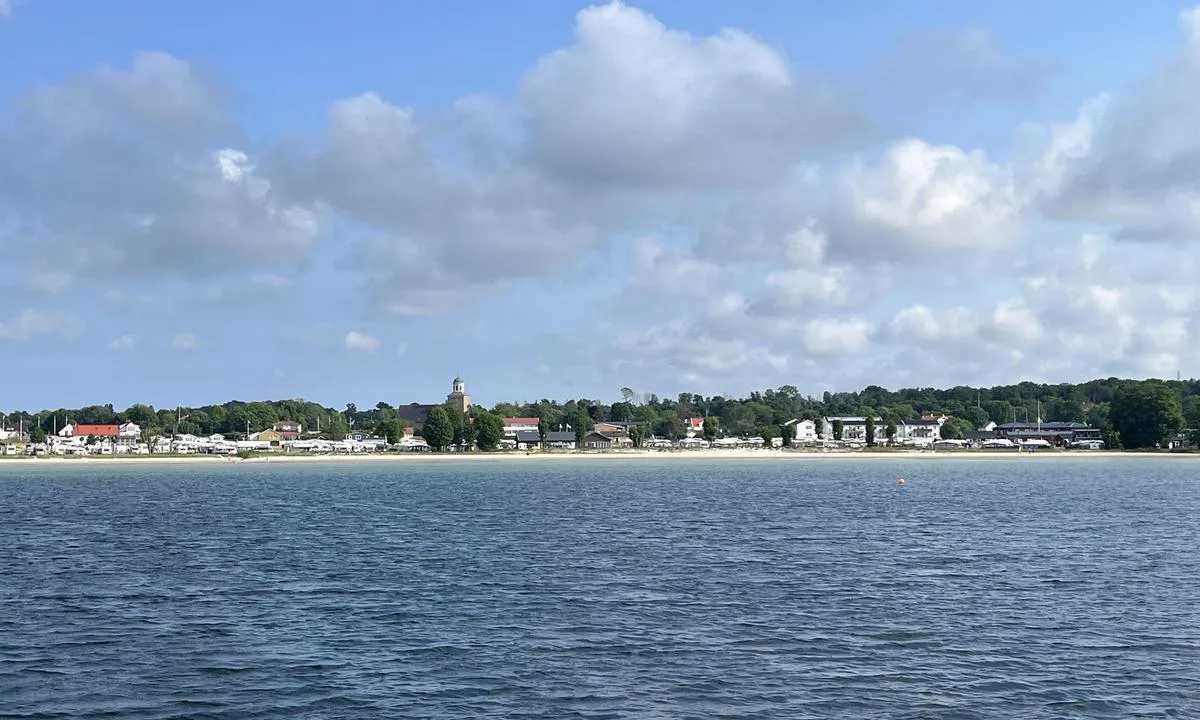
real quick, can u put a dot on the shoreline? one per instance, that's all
(601, 455)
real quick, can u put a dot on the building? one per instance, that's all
(512, 426)
(557, 439)
(925, 431)
(90, 431)
(693, 427)
(619, 426)
(854, 429)
(602, 441)
(287, 429)
(803, 431)
(458, 397)
(272, 439)
(415, 414)
(1056, 433)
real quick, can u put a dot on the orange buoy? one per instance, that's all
(901, 481)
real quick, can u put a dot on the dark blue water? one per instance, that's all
(602, 590)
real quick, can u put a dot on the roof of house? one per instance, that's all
(1045, 426)
(96, 429)
(415, 413)
(521, 421)
(286, 422)
(532, 436)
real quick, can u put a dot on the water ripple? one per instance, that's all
(639, 590)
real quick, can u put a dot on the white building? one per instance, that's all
(925, 431)
(512, 426)
(803, 431)
(854, 429)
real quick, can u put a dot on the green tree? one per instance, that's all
(837, 429)
(870, 429)
(581, 423)
(336, 429)
(392, 429)
(37, 434)
(978, 417)
(1191, 412)
(766, 432)
(1145, 414)
(438, 431)
(670, 427)
(638, 434)
(712, 428)
(786, 432)
(890, 432)
(954, 428)
(467, 435)
(489, 429)
(543, 429)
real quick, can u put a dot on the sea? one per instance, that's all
(604, 589)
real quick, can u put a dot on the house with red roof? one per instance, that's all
(73, 430)
(512, 426)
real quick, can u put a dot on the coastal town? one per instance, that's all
(403, 430)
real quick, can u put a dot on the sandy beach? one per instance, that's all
(601, 456)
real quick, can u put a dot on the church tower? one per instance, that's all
(458, 397)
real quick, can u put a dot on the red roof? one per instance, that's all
(105, 430)
(521, 421)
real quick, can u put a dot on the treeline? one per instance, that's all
(1130, 413)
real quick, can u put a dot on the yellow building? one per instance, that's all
(458, 397)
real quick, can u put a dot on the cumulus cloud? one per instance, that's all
(31, 323)
(355, 340)
(756, 244)
(832, 336)
(111, 173)
(122, 343)
(438, 235)
(634, 103)
(1131, 160)
(185, 341)
(922, 198)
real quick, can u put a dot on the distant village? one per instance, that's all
(529, 434)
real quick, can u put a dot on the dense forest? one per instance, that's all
(1131, 413)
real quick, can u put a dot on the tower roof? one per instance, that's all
(457, 380)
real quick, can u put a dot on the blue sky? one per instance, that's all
(355, 202)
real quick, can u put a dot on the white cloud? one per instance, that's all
(185, 341)
(356, 340)
(832, 336)
(31, 323)
(122, 343)
(923, 198)
(5, 9)
(633, 103)
(112, 172)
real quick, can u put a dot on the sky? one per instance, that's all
(355, 202)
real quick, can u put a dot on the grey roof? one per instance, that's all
(532, 436)
(414, 413)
